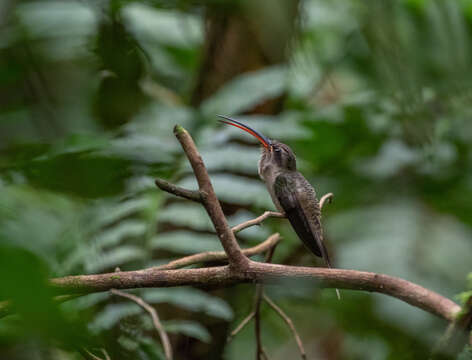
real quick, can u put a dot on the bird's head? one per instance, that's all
(274, 153)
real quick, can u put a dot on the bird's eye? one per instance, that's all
(277, 149)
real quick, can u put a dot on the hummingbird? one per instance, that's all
(291, 193)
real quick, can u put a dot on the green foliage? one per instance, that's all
(189, 328)
(186, 242)
(191, 299)
(246, 91)
(112, 314)
(466, 354)
(375, 103)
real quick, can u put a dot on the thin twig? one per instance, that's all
(289, 322)
(326, 198)
(89, 355)
(255, 311)
(192, 195)
(260, 353)
(219, 255)
(105, 353)
(257, 320)
(155, 319)
(241, 326)
(264, 354)
(256, 221)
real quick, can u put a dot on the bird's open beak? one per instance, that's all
(264, 141)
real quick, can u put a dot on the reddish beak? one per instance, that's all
(264, 141)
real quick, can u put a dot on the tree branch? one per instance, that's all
(155, 320)
(260, 353)
(222, 276)
(257, 321)
(243, 270)
(236, 258)
(179, 191)
(219, 255)
(289, 322)
(241, 326)
(327, 198)
(256, 221)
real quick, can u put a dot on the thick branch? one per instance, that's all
(236, 258)
(221, 276)
(219, 255)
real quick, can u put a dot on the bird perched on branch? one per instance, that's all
(291, 193)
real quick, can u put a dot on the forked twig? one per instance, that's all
(241, 326)
(155, 320)
(289, 322)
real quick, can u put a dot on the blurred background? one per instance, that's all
(373, 96)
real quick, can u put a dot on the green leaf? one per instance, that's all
(112, 314)
(106, 212)
(124, 229)
(90, 300)
(466, 354)
(191, 299)
(115, 257)
(163, 26)
(188, 328)
(64, 27)
(247, 91)
(231, 158)
(186, 215)
(185, 242)
(464, 297)
(237, 190)
(149, 141)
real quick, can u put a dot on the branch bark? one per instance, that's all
(236, 258)
(258, 220)
(222, 276)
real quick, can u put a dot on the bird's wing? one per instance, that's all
(306, 225)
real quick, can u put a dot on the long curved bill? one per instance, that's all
(264, 140)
